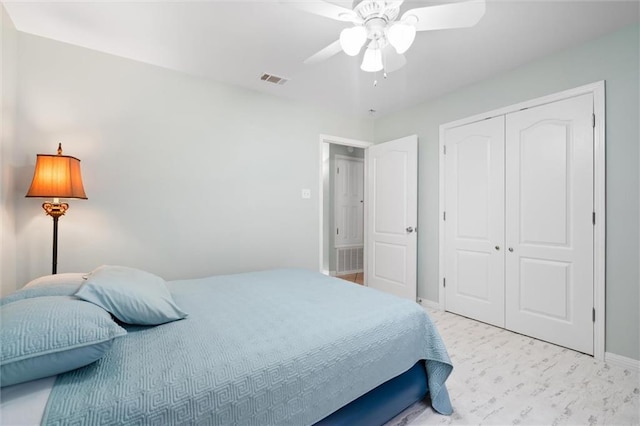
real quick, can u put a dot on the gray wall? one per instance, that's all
(185, 177)
(8, 86)
(614, 58)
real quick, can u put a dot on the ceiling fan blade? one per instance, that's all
(391, 59)
(322, 8)
(445, 16)
(325, 53)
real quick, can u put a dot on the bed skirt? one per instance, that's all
(383, 403)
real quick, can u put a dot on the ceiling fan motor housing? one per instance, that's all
(375, 28)
(371, 9)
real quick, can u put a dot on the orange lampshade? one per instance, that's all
(57, 176)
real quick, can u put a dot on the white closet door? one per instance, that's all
(474, 226)
(549, 205)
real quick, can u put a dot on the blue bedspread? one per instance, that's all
(284, 347)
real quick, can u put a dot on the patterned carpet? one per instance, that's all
(504, 378)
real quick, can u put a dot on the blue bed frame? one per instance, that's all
(381, 404)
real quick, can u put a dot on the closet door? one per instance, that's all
(549, 230)
(474, 225)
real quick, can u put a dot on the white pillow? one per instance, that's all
(76, 278)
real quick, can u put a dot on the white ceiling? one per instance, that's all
(235, 41)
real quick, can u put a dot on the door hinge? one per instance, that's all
(444, 149)
(444, 282)
(444, 215)
(337, 231)
(593, 217)
(593, 120)
(337, 170)
(593, 315)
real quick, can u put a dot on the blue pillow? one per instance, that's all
(66, 284)
(53, 290)
(131, 295)
(44, 336)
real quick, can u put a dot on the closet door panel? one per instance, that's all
(474, 227)
(544, 167)
(549, 230)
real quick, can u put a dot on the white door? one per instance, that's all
(474, 220)
(391, 221)
(349, 202)
(549, 229)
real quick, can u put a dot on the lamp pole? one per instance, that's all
(55, 210)
(54, 266)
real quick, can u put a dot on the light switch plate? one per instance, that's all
(306, 193)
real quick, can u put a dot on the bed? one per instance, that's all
(276, 347)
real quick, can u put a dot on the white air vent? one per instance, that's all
(349, 260)
(273, 79)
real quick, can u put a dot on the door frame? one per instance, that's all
(336, 140)
(597, 89)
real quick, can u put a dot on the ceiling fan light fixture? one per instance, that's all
(372, 61)
(401, 35)
(352, 39)
(386, 33)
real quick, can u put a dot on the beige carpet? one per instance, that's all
(503, 378)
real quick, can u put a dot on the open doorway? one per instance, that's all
(390, 212)
(342, 251)
(345, 208)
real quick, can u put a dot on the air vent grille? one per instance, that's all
(270, 78)
(350, 260)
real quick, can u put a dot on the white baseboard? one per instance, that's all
(429, 304)
(622, 361)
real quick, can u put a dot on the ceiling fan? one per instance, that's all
(376, 24)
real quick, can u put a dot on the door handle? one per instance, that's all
(498, 248)
(511, 249)
(409, 229)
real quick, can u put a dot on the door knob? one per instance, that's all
(409, 229)
(497, 247)
(511, 249)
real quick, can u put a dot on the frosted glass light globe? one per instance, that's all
(372, 61)
(401, 36)
(352, 39)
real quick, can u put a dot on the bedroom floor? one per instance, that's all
(502, 378)
(357, 278)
